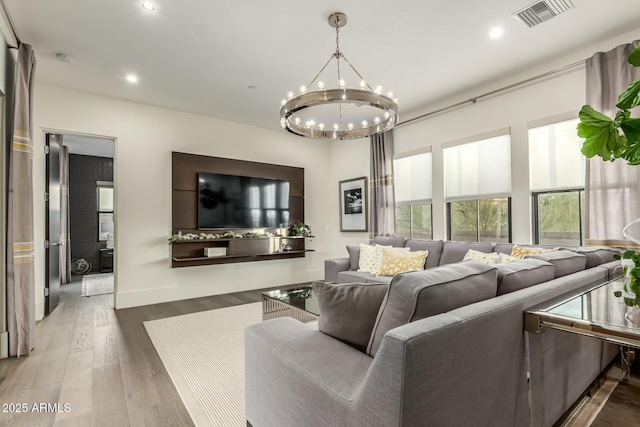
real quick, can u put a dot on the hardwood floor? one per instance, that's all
(101, 363)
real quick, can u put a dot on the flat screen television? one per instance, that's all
(231, 201)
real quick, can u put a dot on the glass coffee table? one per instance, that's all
(607, 311)
(299, 303)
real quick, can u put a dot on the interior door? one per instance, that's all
(52, 249)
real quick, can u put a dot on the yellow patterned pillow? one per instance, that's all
(520, 252)
(397, 260)
(483, 257)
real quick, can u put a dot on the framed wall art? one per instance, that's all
(353, 204)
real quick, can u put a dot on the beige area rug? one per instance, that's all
(204, 356)
(97, 284)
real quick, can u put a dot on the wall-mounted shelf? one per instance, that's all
(187, 253)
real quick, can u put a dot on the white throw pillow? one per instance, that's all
(483, 257)
(371, 258)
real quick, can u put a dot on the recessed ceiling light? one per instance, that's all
(132, 78)
(496, 33)
(148, 6)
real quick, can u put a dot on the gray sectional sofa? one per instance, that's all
(445, 349)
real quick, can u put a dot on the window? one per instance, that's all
(105, 209)
(480, 220)
(477, 189)
(556, 177)
(413, 195)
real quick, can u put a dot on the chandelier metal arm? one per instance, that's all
(356, 71)
(320, 72)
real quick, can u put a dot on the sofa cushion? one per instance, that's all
(503, 248)
(351, 276)
(566, 262)
(596, 255)
(348, 311)
(420, 294)
(520, 274)
(354, 256)
(380, 279)
(433, 246)
(401, 260)
(455, 251)
(396, 242)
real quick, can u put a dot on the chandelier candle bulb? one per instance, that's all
(303, 89)
(289, 95)
(342, 83)
(365, 123)
(376, 120)
(363, 84)
(320, 85)
(336, 127)
(350, 126)
(321, 126)
(378, 90)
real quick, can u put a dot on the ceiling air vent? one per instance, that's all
(542, 11)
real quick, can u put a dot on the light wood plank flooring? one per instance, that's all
(101, 363)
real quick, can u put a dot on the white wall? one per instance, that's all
(145, 137)
(557, 94)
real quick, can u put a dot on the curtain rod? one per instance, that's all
(493, 92)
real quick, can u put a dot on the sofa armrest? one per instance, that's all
(334, 266)
(289, 365)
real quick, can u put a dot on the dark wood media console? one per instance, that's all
(184, 206)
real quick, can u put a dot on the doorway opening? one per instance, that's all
(80, 223)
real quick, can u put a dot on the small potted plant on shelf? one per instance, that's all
(300, 229)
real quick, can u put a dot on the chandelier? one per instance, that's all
(341, 112)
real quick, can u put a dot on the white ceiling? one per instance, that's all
(88, 146)
(201, 55)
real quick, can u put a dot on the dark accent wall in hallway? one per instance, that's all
(84, 171)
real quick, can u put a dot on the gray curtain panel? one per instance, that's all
(20, 270)
(612, 188)
(383, 203)
(65, 250)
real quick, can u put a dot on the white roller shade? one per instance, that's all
(412, 176)
(555, 160)
(478, 169)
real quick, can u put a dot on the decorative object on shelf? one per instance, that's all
(308, 114)
(179, 237)
(285, 248)
(353, 204)
(215, 252)
(300, 229)
(617, 137)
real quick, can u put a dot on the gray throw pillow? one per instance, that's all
(566, 262)
(419, 294)
(516, 275)
(354, 256)
(348, 310)
(433, 246)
